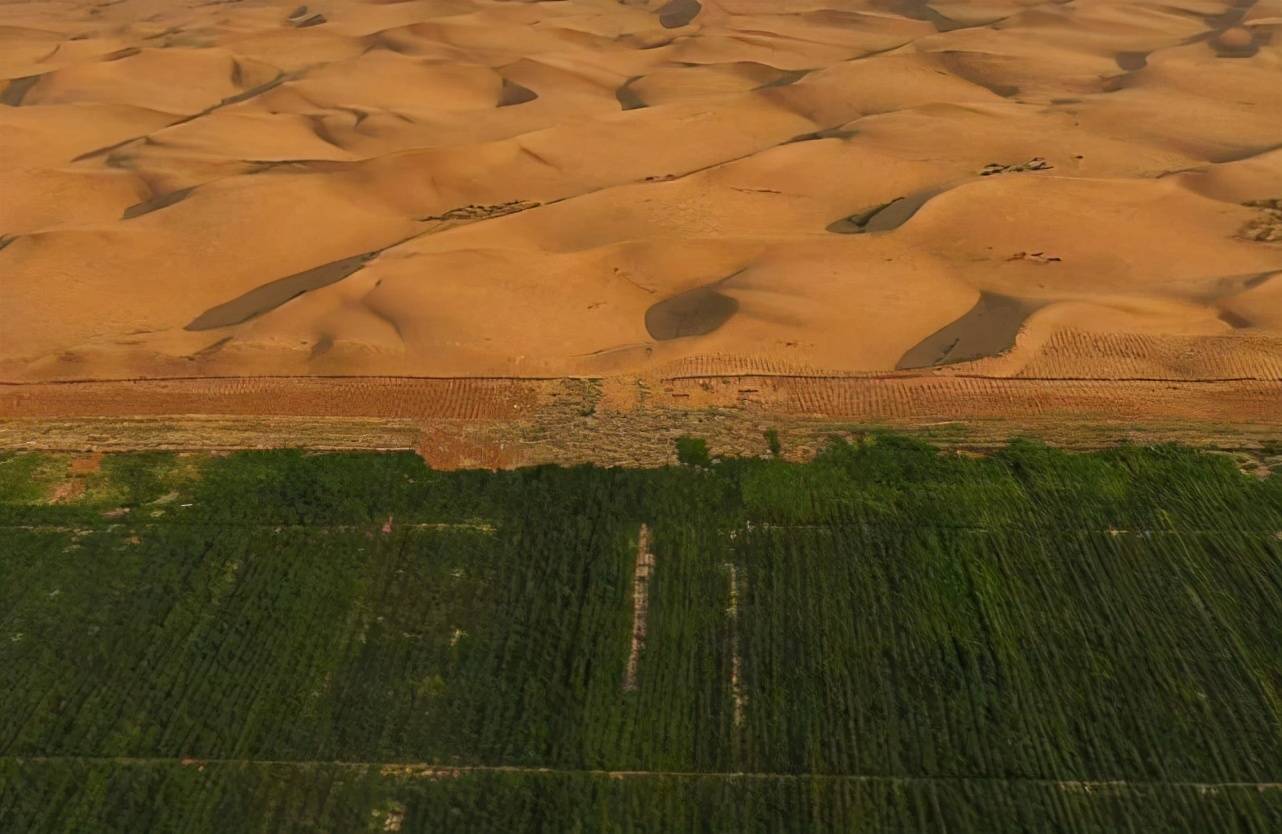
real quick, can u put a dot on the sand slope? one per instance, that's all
(587, 187)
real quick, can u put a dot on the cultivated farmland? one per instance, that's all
(887, 639)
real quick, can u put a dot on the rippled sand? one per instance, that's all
(450, 187)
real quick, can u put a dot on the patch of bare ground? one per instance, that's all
(68, 490)
(641, 574)
(74, 482)
(85, 464)
(494, 423)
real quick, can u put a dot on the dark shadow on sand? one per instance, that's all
(694, 312)
(271, 295)
(676, 13)
(987, 329)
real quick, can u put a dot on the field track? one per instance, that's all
(426, 770)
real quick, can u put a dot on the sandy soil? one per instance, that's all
(1013, 188)
(496, 423)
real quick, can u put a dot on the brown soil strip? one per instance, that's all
(431, 770)
(737, 697)
(500, 423)
(640, 605)
(196, 433)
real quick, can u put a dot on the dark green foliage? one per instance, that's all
(693, 451)
(904, 640)
(921, 652)
(18, 479)
(772, 442)
(141, 476)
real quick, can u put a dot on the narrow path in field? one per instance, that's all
(428, 770)
(736, 659)
(640, 605)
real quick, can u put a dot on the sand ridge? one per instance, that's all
(591, 187)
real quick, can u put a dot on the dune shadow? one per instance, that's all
(271, 295)
(987, 329)
(627, 97)
(955, 61)
(1131, 61)
(841, 133)
(695, 312)
(923, 11)
(156, 203)
(16, 90)
(884, 217)
(513, 93)
(786, 78)
(676, 13)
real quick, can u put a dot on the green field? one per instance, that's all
(888, 639)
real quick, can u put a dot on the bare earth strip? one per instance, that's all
(496, 423)
(640, 605)
(427, 770)
(736, 657)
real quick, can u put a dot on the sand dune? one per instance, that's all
(476, 187)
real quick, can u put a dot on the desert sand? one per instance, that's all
(1085, 189)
